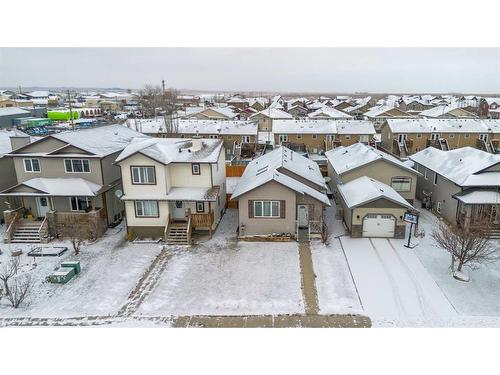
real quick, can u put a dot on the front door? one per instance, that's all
(401, 138)
(42, 205)
(435, 136)
(483, 137)
(179, 211)
(303, 215)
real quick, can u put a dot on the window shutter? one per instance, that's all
(282, 209)
(250, 209)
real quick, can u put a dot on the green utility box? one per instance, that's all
(72, 264)
(62, 275)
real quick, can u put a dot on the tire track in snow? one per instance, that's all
(420, 293)
(397, 297)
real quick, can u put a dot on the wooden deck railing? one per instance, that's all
(13, 225)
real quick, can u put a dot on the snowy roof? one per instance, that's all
(455, 165)
(343, 159)
(427, 125)
(174, 150)
(5, 135)
(365, 189)
(381, 110)
(60, 187)
(224, 111)
(38, 94)
(273, 113)
(195, 126)
(474, 196)
(322, 126)
(266, 168)
(10, 111)
(442, 110)
(328, 112)
(101, 141)
(483, 179)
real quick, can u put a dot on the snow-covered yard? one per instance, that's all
(479, 297)
(110, 270)
(225, 277)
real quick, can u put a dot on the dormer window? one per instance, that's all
(195, 168)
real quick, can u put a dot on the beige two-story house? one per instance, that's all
(172, 187)
(68, 176)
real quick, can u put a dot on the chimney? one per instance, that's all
(18, 142)
(196, 144)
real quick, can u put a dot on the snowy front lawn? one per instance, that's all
(225, 277)
(480, 296)
(110, 270)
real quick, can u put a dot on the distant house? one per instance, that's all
(446, 111)
(379, 114)
(403, 137)
(266, 117)
(298, 111)
(66, 176)
(281, 193)
(322, 134)
(216, 113)
(173, 186)
(328, 112)
(462, 185)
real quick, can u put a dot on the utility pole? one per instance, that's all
(70, 110)
(163, 86)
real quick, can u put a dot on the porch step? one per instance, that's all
(28, 233)
(177, 234)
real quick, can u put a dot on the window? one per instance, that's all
(435, 178)
(419, 135)
(146, 209)
(200, 206)
(466, 135)
(314, 136)
(452, 135)
(401, 183)
(31, 165)
(425, 173)
(77, 165)
(195, 168)
(438, 207)
(245, 139)
(299, 136)
(143, 175)
(266, 208)
(80, 203)
(348, 136)
(283, 138)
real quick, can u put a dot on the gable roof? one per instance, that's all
(344, 159)
(452, 125)
(61, 187)
(445, 109)
(274, 113)
(173, 150)
(329, 112)
(364, 190)
(266, 168)
(381, 110)
(99, 141)
(455, 165)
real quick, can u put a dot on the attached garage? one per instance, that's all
(371, 208)
(375, 225)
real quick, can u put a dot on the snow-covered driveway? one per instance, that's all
(394, 287)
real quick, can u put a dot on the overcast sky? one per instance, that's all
(257, 69)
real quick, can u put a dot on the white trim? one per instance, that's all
(31, 163)
(73, 168)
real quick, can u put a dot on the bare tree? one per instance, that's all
(72, 229)
(468, 246)
(152, 100)
(19, 288)
(8, 271)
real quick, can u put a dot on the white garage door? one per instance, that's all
(379, 226)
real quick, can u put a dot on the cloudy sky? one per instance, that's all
(257, 69)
